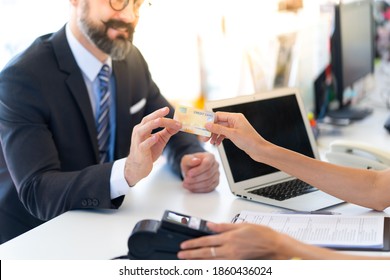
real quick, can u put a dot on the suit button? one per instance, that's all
(95, 202)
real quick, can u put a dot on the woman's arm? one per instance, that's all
(368, 188)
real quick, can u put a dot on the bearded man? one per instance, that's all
(81, 121)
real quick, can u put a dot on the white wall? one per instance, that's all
(21, 21)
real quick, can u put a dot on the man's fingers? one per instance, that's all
(156, 114)
(148, 143)
(146, 128)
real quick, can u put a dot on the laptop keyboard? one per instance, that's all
(285, 190)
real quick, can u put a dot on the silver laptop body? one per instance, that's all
(280, 117)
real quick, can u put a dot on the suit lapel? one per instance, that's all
(75, 83)
(124, 123)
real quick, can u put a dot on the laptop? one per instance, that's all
(280, 117)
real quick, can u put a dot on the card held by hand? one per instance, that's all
(193, 120)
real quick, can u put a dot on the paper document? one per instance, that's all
(336, 231)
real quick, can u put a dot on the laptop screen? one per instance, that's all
(278, 120)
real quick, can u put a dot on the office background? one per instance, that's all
(194, 48)
(208, 49)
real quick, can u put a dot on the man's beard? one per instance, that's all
(117, 48)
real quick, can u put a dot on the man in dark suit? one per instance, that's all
(50, 159)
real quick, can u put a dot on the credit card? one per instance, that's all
(193, 120)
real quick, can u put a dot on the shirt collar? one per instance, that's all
(89, 64)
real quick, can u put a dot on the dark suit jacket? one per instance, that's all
(49, 156)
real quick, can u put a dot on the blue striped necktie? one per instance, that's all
(103, 116)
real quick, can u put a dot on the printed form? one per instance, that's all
(323, 230)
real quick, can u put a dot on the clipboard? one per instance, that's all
(386, 241)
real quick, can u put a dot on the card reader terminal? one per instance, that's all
(160, 240)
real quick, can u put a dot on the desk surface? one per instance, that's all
(103, 234)
(370, 130)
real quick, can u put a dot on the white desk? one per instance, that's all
(103, 234)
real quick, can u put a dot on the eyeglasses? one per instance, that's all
(120, 5)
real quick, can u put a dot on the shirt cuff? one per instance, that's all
(118, 183)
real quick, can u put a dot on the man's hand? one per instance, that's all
(146, 147)
(200, 172)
